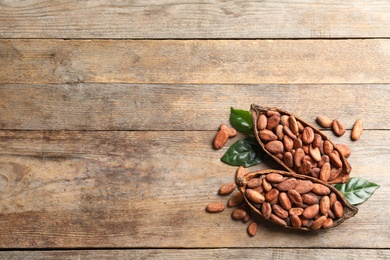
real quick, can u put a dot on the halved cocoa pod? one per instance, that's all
(340, 167)
(338, 211)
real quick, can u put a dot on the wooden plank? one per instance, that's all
(184, 107)
(194, 19)
(192, 61)
(222, 253)
(70, 189)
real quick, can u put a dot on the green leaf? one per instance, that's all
(241, 120)
(357, 190)
(245, 152)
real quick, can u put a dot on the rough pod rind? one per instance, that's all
(348, 209)
(256, 111)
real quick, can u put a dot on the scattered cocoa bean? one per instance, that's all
(324, 121)
(227, 188)
(252, 228)
(215, 207)
(338, 128)
(220, 139)
(357, 130)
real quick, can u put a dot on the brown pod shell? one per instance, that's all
(257, 111)
(346, 209)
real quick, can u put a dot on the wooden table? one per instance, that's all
(109, 108)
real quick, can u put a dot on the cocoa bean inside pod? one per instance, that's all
(305, 145)
(327, 203)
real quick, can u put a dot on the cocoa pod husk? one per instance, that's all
(343, 208)
(257, 111)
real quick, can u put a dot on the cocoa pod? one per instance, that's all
(321, 207)
(308, 141)
(357, 130)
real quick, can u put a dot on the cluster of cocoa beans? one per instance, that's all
(292, 202)
(300, 147)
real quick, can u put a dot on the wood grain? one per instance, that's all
(181, 107)
(194, 19)
(193, 61)
(222, 253)
(101, 189)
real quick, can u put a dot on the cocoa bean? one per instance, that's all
(274, 177)
(344, 149)
(279, 132)
(262, 122)
(288, 159)
(278, 220)
(270, 113)
(284, 201)
(305, 168)
(227, 188)
(254, 196)
(297, 143)
(311, 211)
(328, 223)
(287, 131)
(254, 182)
(284, 120)
(328, 147)
(235, 200)
(274, 147)
(266, 185)
(215, 207)
(303, 186)
(324, 121)
(293, 125)
(320, 189)
(325, 172)
(338, 128)
(272, 122)
(335, 159)
(317, 141)
(279, 211)
(287, 184)
(267, 135)
(230, 130)
(318, 223)
(296, 211)
(295, 221)
(298, 156)
(252, 228)
(220, 139)
(357, 130)
(310, 199)
(271, 195)
(238, 214)
(295, 197)
(324, 205)
(315, 153)
(307, 135)
(288, 143)
(266, 210)
(338, 209)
